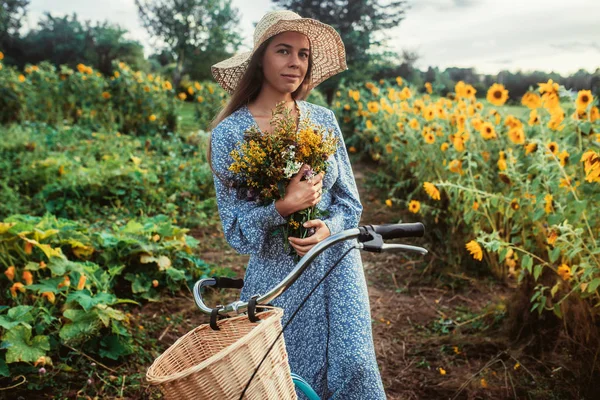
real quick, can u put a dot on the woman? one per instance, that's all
(330, 341)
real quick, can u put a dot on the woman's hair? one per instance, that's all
(248, 89)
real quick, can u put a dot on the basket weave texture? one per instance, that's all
(209, 364)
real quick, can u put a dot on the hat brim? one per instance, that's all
(327, 48)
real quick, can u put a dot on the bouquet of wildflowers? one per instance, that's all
(264, 163)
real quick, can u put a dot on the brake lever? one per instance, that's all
(377, 245)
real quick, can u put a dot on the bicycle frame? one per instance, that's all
(370, 238)
(239, 307)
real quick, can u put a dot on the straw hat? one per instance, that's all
(327, 48)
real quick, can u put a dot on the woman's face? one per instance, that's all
(285, 61)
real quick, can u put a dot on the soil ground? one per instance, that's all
(437, 334)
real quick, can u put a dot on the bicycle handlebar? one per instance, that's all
(369, 237)
(394, 231)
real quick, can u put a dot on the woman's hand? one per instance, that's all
(303, 246)
(300, 195)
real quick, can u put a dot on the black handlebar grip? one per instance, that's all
(228, 283)
(393, 231)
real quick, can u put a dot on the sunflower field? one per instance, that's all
(512, 189)
(106, 176)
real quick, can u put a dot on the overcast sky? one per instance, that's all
(490, 35)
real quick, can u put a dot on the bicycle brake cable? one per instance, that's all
(292, 317)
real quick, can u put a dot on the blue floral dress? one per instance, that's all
(330, 340)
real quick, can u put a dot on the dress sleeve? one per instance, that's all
(346, 208)
(245, 223)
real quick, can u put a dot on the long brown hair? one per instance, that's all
(248, 89)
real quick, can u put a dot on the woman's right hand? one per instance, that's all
(300, 195)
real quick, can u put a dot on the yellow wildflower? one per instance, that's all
(497, 94)
(431, 190)
(475, 250)
(414, 206)
(564, 271)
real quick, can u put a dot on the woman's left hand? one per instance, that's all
(303, 246)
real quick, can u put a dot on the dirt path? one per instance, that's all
(437, 335)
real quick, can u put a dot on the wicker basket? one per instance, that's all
(209, 364)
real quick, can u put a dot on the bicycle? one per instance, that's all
(369, 238)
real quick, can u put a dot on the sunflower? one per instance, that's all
(591, 161)
(564, 271)
(531, 100)
(429, 113)
(414, 206)
(530, 148)
(514, 204)
(487, 131)
(414, 124)
(594, 114)
(373, 106)
(502, 161)
(552, 237)
(428, 87)
(548, 87)
(458, 142)
(516, 135)
(399, 81)
(552, 147)
(456, 166)
(497, 94)
(584, 99)
(460, 89)
(476, 123)
(563, 156)
(431, 190)
(429, 138)
(550, 100)
(405, 93)
(369, 124)
(444, 146)
(475, 249)
(548, 208)
(470, 92)
(534, 119)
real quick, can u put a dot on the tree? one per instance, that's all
(66, 40)
(109, 43)
(60, 40)
(357, 21)
(203, 28)
(12, 13)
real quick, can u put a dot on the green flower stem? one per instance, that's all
(563, 299)
(562, 170)
(479, 199)
(544, 262)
